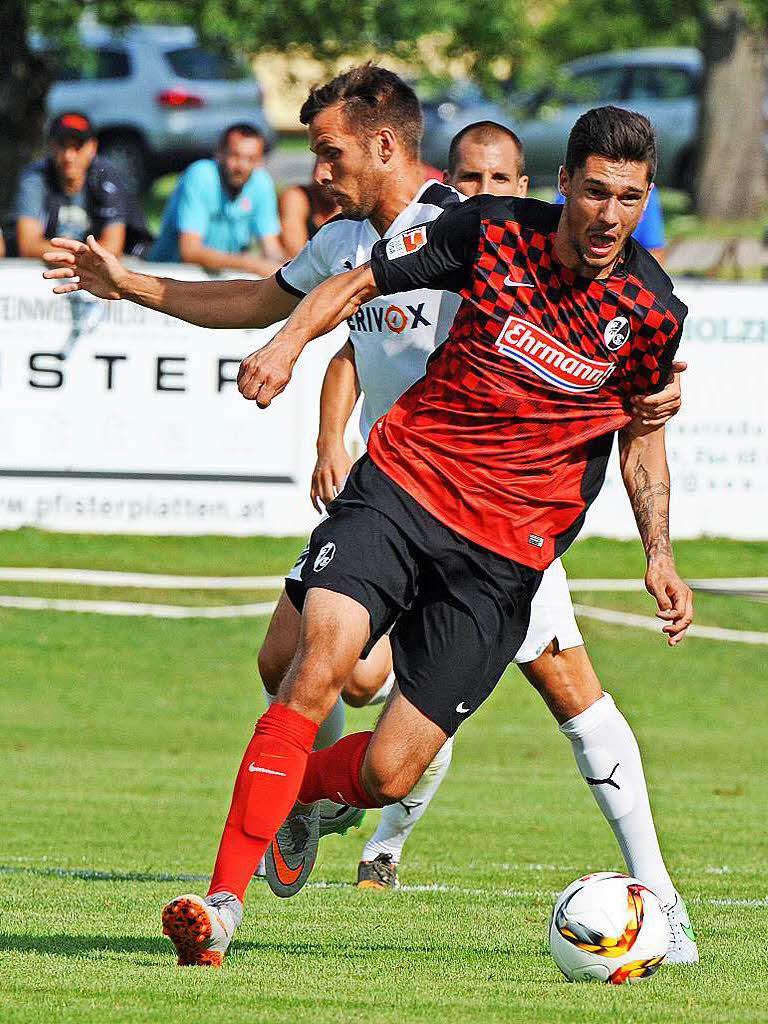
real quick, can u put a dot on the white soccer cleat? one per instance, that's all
(682, 941)
(201, 930)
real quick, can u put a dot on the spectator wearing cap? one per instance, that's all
(220, 208)
(72, 193)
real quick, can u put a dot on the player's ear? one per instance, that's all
(647, 197)
(563, 181)
(522, 185)
(386, 144)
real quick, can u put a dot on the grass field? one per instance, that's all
(119, 742)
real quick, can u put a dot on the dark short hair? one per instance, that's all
(250, 131)
(614, 134)
(372, 98)
(484, 132)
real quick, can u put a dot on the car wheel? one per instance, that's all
(127, 153)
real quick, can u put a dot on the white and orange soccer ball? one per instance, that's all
(608, 927)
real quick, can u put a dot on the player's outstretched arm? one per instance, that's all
(645, 473)
(341, 389)
(265, 374)
(90, 267)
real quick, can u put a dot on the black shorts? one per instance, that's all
(456, 612)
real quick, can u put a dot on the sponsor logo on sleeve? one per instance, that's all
(550, 359)
(406, 242)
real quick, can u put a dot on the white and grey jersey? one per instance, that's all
(393, 335)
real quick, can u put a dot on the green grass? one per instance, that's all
(119, 742)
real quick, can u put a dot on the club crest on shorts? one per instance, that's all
(616, 333)
(324, 556)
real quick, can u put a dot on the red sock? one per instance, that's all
(266, 788)
(335, 773)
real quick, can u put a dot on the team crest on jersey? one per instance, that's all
(406, 242)
(616, 333)
(550, 359)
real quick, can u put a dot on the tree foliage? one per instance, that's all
(493, 38)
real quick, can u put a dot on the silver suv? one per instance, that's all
(663, 83)
(156, 98)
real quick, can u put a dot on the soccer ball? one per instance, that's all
(608, 927)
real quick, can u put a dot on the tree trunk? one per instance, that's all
(23, 85)
(731, 181)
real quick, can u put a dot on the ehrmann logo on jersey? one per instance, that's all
(550, 359)
(371, 318)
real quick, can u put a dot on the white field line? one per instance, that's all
(536, 894)
(93, 577)
(241, 611)
(653, 625)
(457, 890)
(155, 581)
(145, 580)
(743, 584)
(155, 611)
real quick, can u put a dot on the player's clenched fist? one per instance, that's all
(264, 374)
(85, 267)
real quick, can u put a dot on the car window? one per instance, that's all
(661, 83)
(194, 63)
(88, 65)
(597, 86)
(580, 89)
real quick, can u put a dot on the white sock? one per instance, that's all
(605, 749)
(398, 820)
(383, 692)
(332, 728)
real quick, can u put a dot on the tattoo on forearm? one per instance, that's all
(650, 503)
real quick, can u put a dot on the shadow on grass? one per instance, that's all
(84, 946)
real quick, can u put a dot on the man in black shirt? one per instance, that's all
(70, 194)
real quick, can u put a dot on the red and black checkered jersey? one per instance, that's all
(507, 436)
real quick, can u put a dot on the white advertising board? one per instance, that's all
(718, 444)
(140, 428)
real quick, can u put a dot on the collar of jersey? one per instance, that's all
(392, 230)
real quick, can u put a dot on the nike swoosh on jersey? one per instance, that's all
(509, 283)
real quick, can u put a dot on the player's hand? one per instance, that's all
(672, 595)
(331, 470)
(653, 411)
(85, 267)
(265, 374)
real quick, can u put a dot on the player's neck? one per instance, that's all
(398, 193)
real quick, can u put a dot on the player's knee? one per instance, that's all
(355, 694)
(387, 782)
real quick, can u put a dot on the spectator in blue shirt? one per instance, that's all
(221, 207)
(650, 231)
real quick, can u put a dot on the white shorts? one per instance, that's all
(551, 617)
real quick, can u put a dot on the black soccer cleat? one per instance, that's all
(379, 873)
